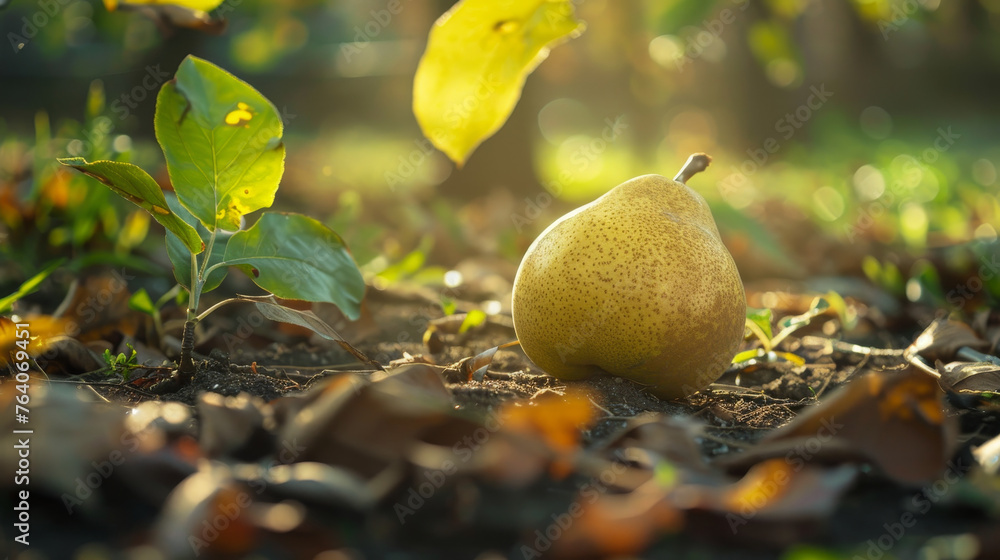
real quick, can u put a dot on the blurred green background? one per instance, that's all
(849, 138)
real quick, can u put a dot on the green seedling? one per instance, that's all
(143, 303)
(122, 364)
(29, 286)
(222, 141)
(758, 323)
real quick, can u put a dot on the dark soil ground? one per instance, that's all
(476, 514)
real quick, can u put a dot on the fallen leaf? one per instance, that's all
(187, 524)
(97, 309)
(556, 420)
(942, 339)
(478, 55)
(270, 308)
(370, 426)
(988, 455)
(778, 503)
(236, 427)
(975, 377)
(610, 525)
(179, 13)
(43, 330)
(670, 438)
(892, 419)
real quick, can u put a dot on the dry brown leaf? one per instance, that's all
(975, 377)
(988, 455)
(668, 437)
(185, 527)
(942, 339)
(778, 502)
(556, 420)
(97, 308)
(893, 419)
(608, 525)
(234, 426)
(370, 426)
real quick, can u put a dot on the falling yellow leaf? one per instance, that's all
(478, 56)
(200, 5)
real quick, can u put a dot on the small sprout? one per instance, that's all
(758, 323)
(121, 364)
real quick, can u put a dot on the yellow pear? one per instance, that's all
(637, 284)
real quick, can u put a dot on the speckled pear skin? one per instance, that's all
(637, 284)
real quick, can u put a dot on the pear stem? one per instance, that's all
(695, 164)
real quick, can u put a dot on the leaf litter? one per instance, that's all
(470, 450)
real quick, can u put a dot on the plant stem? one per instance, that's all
(694, 165)
(208, 254)
(185, 369)
(760, 334)
(218, 305)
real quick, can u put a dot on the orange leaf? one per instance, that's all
(42, 328)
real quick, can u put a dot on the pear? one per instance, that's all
(637, 284)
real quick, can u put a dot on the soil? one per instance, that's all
(744, 406)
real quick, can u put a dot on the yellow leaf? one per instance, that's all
(478, 56)
(200, 5)
(42, 329)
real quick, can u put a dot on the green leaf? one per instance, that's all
(818, 305)
(296, 257)
(795, 322)
(472, 320)
(478, 55)
(733, 221)
(222, 142)
(180, 257)
(136, 186)
(29, 286)
(448, 305)
(140, 301)
(274, 311)
(762, 319)
(750, 354)
(848, 315)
